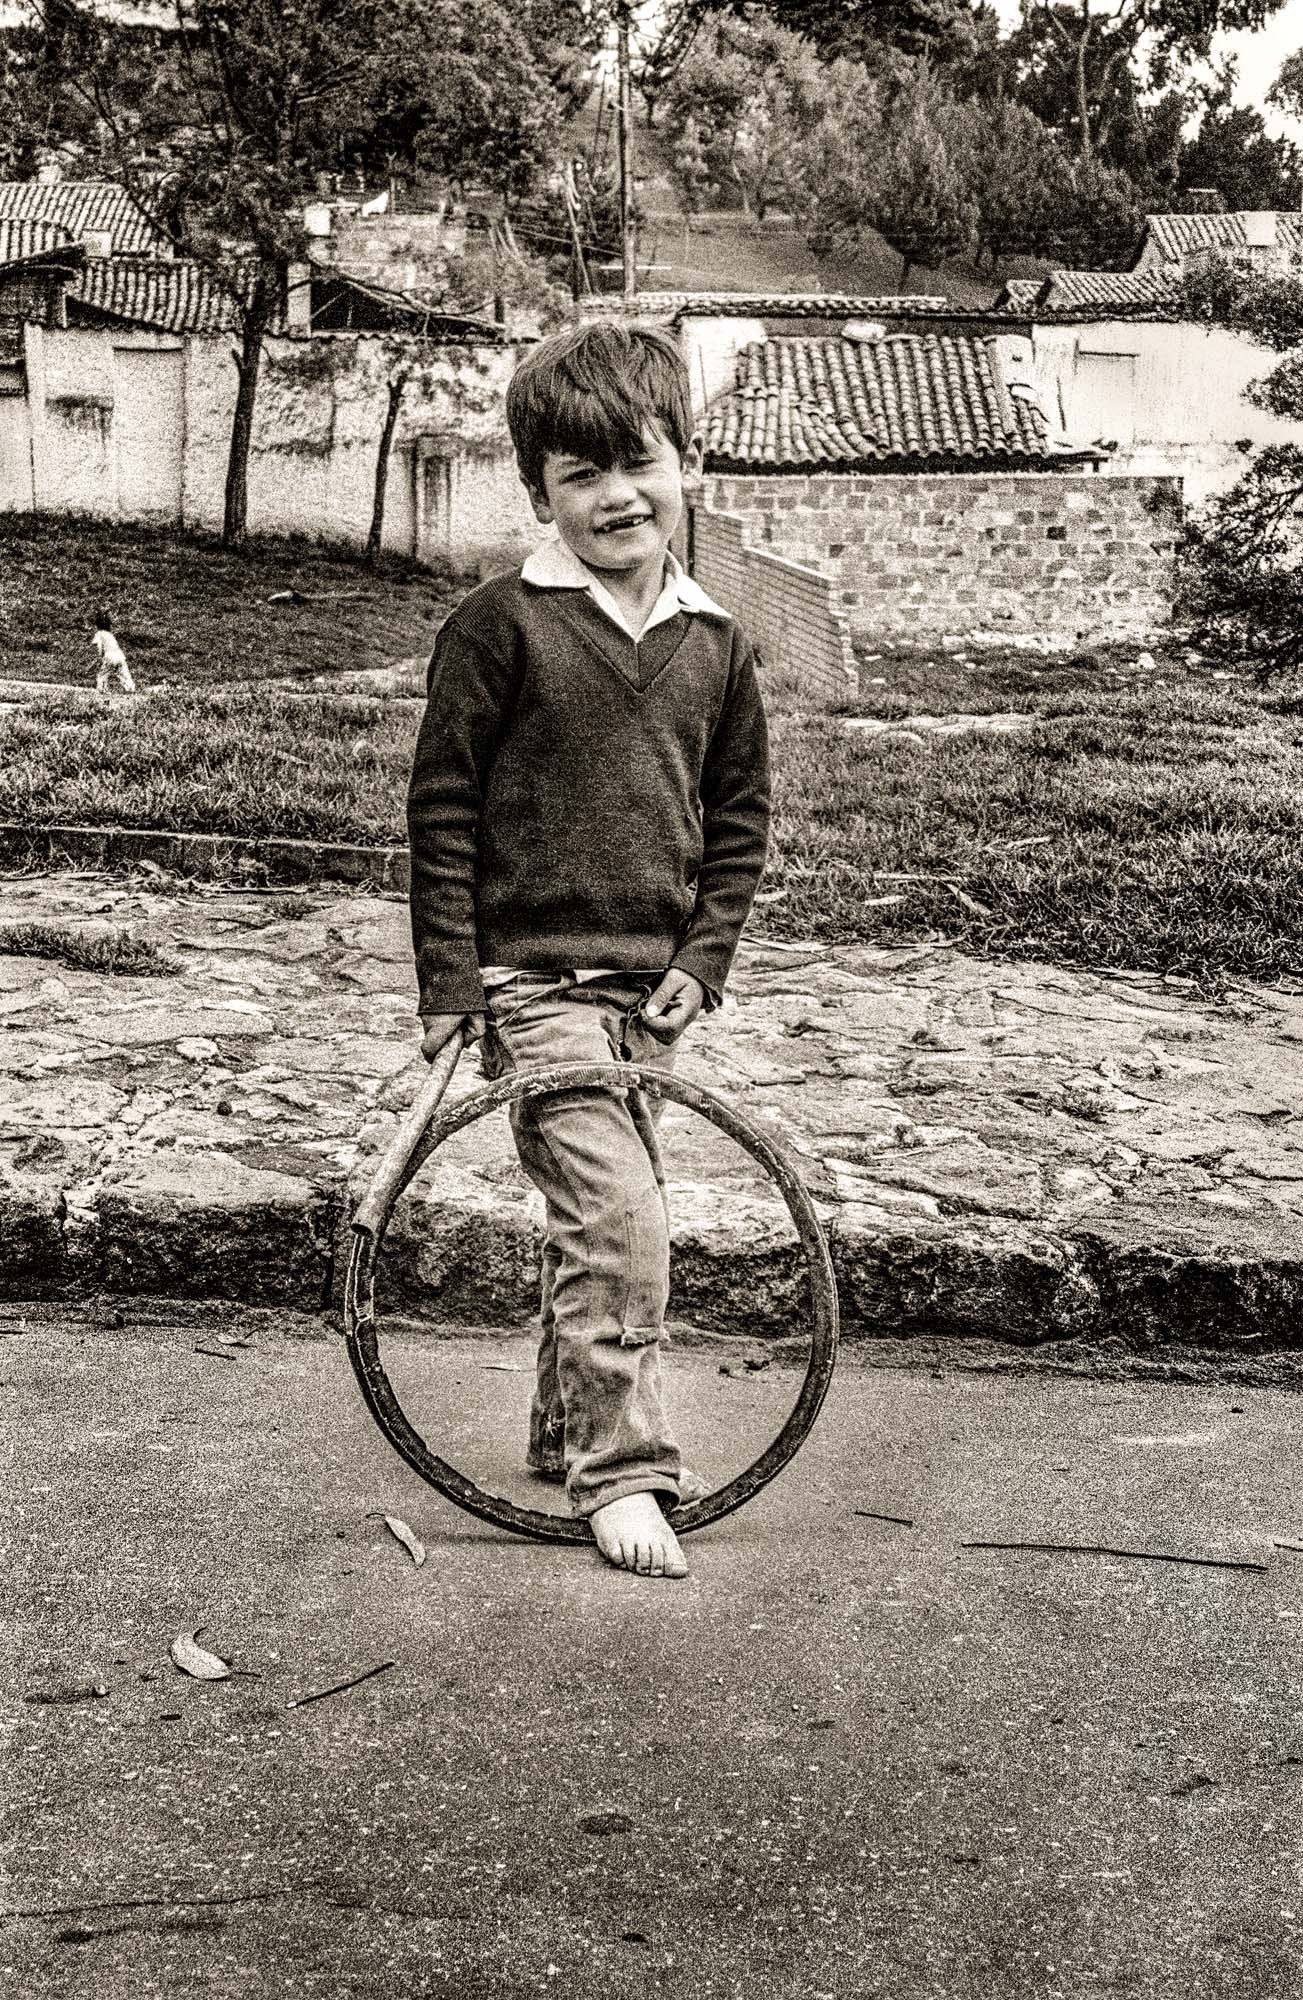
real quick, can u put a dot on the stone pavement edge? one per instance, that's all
(1007, 1151)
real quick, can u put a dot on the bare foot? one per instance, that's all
(634, 1534)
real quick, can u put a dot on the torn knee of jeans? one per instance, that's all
(639, 1336)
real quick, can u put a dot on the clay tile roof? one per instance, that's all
(1094, 288)
(83, 208)
(1091, 294)
(21, 240)
(758, 305)
(175, 297)
(905, 399)
(1018, 293)
(1175, 236)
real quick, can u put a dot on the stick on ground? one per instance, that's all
(341, 1687)
(1100, 1549)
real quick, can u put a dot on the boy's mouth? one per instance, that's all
(625, 521)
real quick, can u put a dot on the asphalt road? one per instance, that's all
(847, 1757)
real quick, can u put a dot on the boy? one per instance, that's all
(588, 817)
(112, 658)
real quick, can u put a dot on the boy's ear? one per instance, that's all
(691, 463)
(538, 501)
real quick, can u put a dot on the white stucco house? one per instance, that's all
(1109, 352)
(117, 390)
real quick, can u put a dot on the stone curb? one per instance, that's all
(1061, 1162)
(204, 856)
(270, 1239)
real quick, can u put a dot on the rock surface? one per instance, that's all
(1008, 1150)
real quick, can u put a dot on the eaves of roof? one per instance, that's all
(927, 401)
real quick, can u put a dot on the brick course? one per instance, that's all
(1070, 555)
(787, 609)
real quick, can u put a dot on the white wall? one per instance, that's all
(15, 455)
(711, 346)
(132, 425)
(1171, 396)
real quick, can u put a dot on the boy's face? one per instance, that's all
(619, 519)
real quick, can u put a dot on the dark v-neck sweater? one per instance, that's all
(578, 799)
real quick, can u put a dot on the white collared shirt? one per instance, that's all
(554, 566)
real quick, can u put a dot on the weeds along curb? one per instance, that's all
(204, 856)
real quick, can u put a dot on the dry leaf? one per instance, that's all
(193, 1660)
(402, 1533)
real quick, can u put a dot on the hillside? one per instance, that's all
(724, 250)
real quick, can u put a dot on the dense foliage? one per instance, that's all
(1243, 556)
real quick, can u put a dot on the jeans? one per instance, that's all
(596, 1415)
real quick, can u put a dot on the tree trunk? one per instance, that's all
(1084, 145)
(906, 266)
(257, 319)
(377, 527)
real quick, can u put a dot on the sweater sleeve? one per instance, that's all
(735, 816)
(468, 689)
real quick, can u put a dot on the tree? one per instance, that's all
(743, 103)
(659, 57)
(1083, 64)
(1233, 152)
(1287, 91)
(861, 30)
(1099, 220)
(479, 90)
(215, 131)
(40, 110)
(1243, 560)
(706, 100)
(896, 167)
(1019, 177)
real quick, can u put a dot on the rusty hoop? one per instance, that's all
(421, 1132)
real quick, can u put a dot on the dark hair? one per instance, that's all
(592, 391)
(103, 623)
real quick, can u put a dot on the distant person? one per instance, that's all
(588, 814)
(112, 658)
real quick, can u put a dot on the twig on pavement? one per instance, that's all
(341, 1687)
(1100, 1549)
(867, 1514)
(159, 1902)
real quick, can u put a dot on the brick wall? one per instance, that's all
(786, 608)
(913, 555)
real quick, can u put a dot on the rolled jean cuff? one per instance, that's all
(623, 1489)
(642, 1336)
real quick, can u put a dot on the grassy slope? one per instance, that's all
(241, 761)
(718, 252)
(1156, 824)
(188, 612)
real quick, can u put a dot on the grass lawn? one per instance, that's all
(1148, 820)
(187, 612)
(238, 760)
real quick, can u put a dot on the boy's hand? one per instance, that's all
(440, 1028)
(674, 1005)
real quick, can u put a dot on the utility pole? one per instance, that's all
(624, 143)
(580, 281)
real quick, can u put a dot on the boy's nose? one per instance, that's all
(618, 491)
